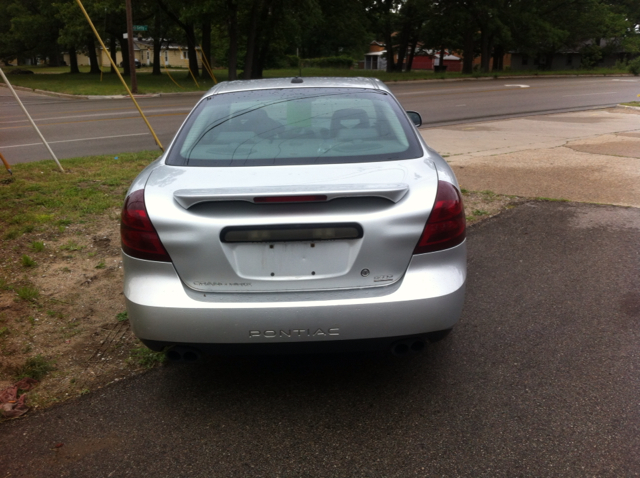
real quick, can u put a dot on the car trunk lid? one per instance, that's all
(286, 228)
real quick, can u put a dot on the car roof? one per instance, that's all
(301, 82)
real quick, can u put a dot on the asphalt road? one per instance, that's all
(539, 379)
(85, 127)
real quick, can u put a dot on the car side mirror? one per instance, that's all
(415, 118)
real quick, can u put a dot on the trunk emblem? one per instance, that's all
(364, 272)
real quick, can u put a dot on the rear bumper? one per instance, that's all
(428, 298)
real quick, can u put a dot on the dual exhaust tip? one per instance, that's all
(405, 347)
(183, 354)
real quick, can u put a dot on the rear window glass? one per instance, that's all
(295, 126)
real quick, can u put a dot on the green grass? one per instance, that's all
(27, 261)
(122, 317)
(146, 358)
(37, 246)
(541, 198)
(71, 246)
(632, 103)
(58, 80)
(480, 212)
(35, 367)
(28, 293)
(40, 198)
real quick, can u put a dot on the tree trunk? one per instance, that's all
(412, 53)
(206, 47)
(124, 47)
(467, 60)
(113, 51)
(485, 55)
(157, 51)
(402, 47)
(54, 56)
(73, 60)
(192, 52)
(251, 39)
(391, 63)
(498, 58)
(93, 57)
(232, 25)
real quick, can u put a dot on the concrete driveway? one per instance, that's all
(591, 156)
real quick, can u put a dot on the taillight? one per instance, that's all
(446, 225)
(139, 237)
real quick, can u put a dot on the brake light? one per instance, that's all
(447, 224)
(139, 237)
(280, 199)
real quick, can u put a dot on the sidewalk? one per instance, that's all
(588, 156)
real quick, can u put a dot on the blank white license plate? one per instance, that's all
(293, 260)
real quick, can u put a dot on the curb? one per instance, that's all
(505, 77)
(637, 108)
(99, 97)
(46, 93)
(394, 82)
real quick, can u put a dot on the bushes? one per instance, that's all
(634, 66)
(325, 62)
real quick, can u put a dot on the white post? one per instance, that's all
(31, 120)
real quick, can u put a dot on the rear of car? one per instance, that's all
(294, 215)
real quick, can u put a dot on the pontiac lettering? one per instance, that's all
(232, 284)
(293, 333)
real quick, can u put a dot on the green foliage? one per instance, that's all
(590, 55)
(101, 265)
(4, 285)
(27, 261)
(37, 246)
(122, 317)
(71, 246)
(28, 293)
(35, 367)
(634, 66)
(145, 357)
(328, 62)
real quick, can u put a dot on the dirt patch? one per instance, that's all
(73, 321)
(479, 205)
(628, 149)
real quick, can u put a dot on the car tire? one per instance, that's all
(438, 335)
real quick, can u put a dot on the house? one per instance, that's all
(422, 60)
(428, 59)
(171, 55)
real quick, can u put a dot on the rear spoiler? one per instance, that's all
(190, 197)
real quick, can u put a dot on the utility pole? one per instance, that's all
(132, 60)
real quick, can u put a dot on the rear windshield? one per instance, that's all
(295, 126)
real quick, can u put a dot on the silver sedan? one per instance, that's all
(294, 215)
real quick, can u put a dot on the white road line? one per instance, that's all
(591, 94)
(119, 113)
(461, 105)
(520, 86)
(74, 140)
